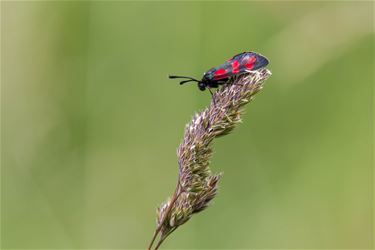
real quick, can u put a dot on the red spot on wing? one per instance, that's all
(235, 67)
(249, 62)
(220, 74)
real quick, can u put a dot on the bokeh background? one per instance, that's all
(90, 123)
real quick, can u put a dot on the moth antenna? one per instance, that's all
(188, 81)
(186, 77)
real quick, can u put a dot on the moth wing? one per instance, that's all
(252, 61)
(223, 71)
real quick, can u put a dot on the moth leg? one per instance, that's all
(212, 95)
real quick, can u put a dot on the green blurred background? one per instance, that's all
(90, 123)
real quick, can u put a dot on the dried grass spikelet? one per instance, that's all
(197, 185)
